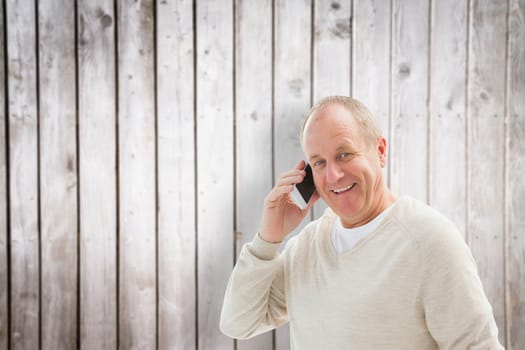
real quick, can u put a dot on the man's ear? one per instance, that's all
(381, 151)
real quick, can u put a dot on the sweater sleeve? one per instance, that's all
(255, 301)
(457, 312)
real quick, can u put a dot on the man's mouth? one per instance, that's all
(343, 189)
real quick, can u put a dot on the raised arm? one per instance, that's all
(255, 299)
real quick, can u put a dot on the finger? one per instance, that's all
(297, 170)
(279, 192)
(291, 173)
(292, 179)
(301, 165)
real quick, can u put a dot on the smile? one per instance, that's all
(344, 189)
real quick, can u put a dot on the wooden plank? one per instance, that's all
(371, 58)
(292, 79)
(409, 145)
(448, 109)
(253, 97)
(137, 200)
(58, 174)
(97, 173)
(23, 174)
(176, 175)
(292, 91)
(214, 166)
(371, 61)
(486, 101)
(515, 200)
(4, 307)
(332, 46)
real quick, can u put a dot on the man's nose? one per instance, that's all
(333, 172)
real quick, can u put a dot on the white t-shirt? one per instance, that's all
(345, 239)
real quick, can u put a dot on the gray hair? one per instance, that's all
(370, 129)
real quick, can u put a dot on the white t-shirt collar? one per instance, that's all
(344, 239)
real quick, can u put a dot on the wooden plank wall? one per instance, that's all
(98, 230)
(139, 139)
(57, 174)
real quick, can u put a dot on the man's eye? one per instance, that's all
(344, 155)
(318, 163)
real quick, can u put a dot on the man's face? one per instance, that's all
(347, 168)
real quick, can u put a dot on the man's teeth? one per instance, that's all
(339, 190)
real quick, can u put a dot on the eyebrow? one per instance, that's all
(340, 148)
(313, 157)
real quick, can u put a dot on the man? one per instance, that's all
(374, 272)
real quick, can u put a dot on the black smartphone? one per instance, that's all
(304, 190)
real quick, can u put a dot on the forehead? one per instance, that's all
(333, 123)
(330, 120)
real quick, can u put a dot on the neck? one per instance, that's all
(384, 200)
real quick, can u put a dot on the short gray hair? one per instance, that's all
(369, 126)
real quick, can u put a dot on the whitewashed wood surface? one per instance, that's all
(97, 121)
(447, 110)
(4, 271)
(139, 139)
(409, 96)
(215, 165)
(137, 183)
(515, 168)
(24, 236)
(486, 148)
(253, 126)
(176, 176)
(58, 174)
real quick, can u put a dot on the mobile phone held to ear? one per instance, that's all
(303, 191)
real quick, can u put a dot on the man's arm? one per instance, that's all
(457, 312)
(255, 299)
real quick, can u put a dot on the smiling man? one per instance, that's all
(374, 272)
(347, 166)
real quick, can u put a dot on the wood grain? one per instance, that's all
(172, 176)
(332, 47)
(97, 174)
(4, 307)
(409, 141)
(215, 166)
(253, 110)
(137, 199)
(371, 58)
(371, 61)
(292, 91)
(58, 174)
(23, 174)
(448, 109)
(176, 176)
(486, 107)
(515, 257)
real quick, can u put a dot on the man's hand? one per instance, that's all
(281, 215)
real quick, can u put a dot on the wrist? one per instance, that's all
(262, 249)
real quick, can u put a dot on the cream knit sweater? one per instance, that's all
(410, 284)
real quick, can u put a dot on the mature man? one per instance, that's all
(376, 271)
